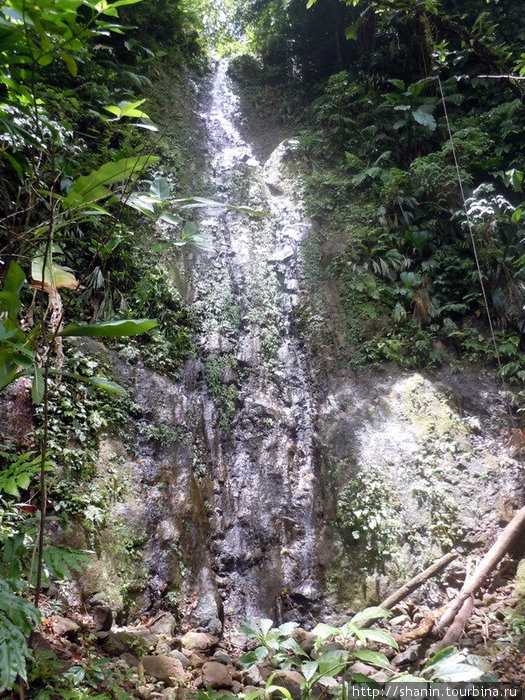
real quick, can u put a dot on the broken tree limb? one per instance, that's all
(417, 581)
(491, 559)
(455, 630)
(503, 77)
(422, 630)
(413, 583)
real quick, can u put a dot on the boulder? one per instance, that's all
(216, 675)
(196, 661)
(359, 667)
(199, 641)
(176, 654)
(64, 627)
(399, 620)
(291, 680)
(409, 656)
(138, 641)
(164, 668)
(252, 676)
(164, 624)
(130, 659)
(102, 618)
(222, 657)
(168, 694)
(306, 640)
(39, 644)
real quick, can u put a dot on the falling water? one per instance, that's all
(248, 293)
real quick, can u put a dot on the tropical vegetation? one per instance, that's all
(409, 115)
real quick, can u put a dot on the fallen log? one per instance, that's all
(491, 559)
(417, 581)
(412, 584)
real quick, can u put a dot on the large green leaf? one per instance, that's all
(106, 384)
(309, 669)
(160, 188)
(424, 118)
(372, 613)
(127, 109)
(49, 275)
(449, 664)
(323, 631)
(18, 474)
(253, 657)
(13, 282)
(70, 63)
(250, 629)
(446, 653)
(376, 658)
(377, 636)
(95, 186)
(8, 366)
(332, 662)
(14, 278)
(100, 382)
(266, 625)
(17, 619)
(111, 329)
(38, 386)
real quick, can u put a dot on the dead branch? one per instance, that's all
(498, 550)
(503, 77)
(422, 630)
(418, 580)
(455, 630)
(412, 584)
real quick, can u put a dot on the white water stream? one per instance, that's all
(248, 292)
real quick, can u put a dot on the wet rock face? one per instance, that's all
(410, 471)
(258, 406)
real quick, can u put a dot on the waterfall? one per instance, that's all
(247, 291)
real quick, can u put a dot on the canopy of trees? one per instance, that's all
(389, 95)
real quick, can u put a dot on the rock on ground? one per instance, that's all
(164, 668)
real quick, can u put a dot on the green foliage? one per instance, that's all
(166, 435)
(17, 619)
(276, 643)
(452, 665)
(70, 156)
(18, 474)
(90, 677)
(91, 188)
(409, 101)
(20, 348)
(336, 649)
(17, 556)
(152, 290)
(223, 392)
(380, 176)
(366, 517)
(110, 329)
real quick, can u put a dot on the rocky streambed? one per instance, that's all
(156, 659)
